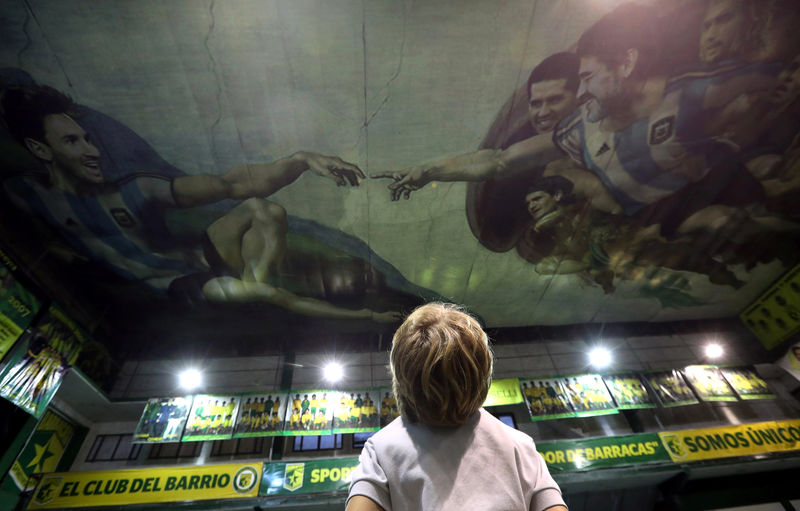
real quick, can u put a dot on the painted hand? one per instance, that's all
(405, 181)
(334, 168)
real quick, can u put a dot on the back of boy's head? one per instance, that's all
(441, 365)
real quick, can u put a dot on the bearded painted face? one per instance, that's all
(601, 87)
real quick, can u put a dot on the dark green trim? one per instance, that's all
(73, 446)
(9, 494)
(16, 446)
(304, 432)
(287, 374)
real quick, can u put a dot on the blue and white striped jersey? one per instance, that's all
(122, 226)
(658, 155)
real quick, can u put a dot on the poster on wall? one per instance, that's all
(211, 418)
(389, 409)
(790, 361)
(588, 395)
(546, 398)
(775, 315)
(18, 306)
(311, 412)
(629, 391)
(35, 367)
(356, 412)
(709, 383)
(260, 414)
(670, 388)
(503, 391)
(44, 449)
(747, 383)
(163, 420)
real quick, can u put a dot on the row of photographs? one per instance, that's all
(593, 394)
(322, 412)
(295, 413)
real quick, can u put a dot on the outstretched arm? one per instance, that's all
(229, 289)
(262, 179)
(721, 94)
(477, 166)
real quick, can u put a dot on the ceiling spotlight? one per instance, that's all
(600, 357)
(333, 372)
(714, 350)
(190, 379)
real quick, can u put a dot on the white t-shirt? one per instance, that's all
(482, 464)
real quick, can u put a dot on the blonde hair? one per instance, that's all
(441, 365)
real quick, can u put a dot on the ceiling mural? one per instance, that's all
(543, 163)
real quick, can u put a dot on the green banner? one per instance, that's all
(43, 450)
(303, 477)
(35, 367)
(504, 392)
(18, 306)
(572, 455)
(329, 475)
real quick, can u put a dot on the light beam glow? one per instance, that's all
(190, 379)
(600, 357)
(714, 350)
(333, 372)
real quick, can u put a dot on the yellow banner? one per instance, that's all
(504, 392)
(727, 441)
(143, 486)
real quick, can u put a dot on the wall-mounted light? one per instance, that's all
(600, 357)
(333, 372)
(713, 350)
(190, 379)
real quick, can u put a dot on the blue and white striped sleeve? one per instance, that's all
(569, 137)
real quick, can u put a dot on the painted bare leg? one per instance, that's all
(231, 289)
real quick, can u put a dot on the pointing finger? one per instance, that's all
(384, 175)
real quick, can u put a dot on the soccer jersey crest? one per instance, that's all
(661, 130)
(122, 217)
